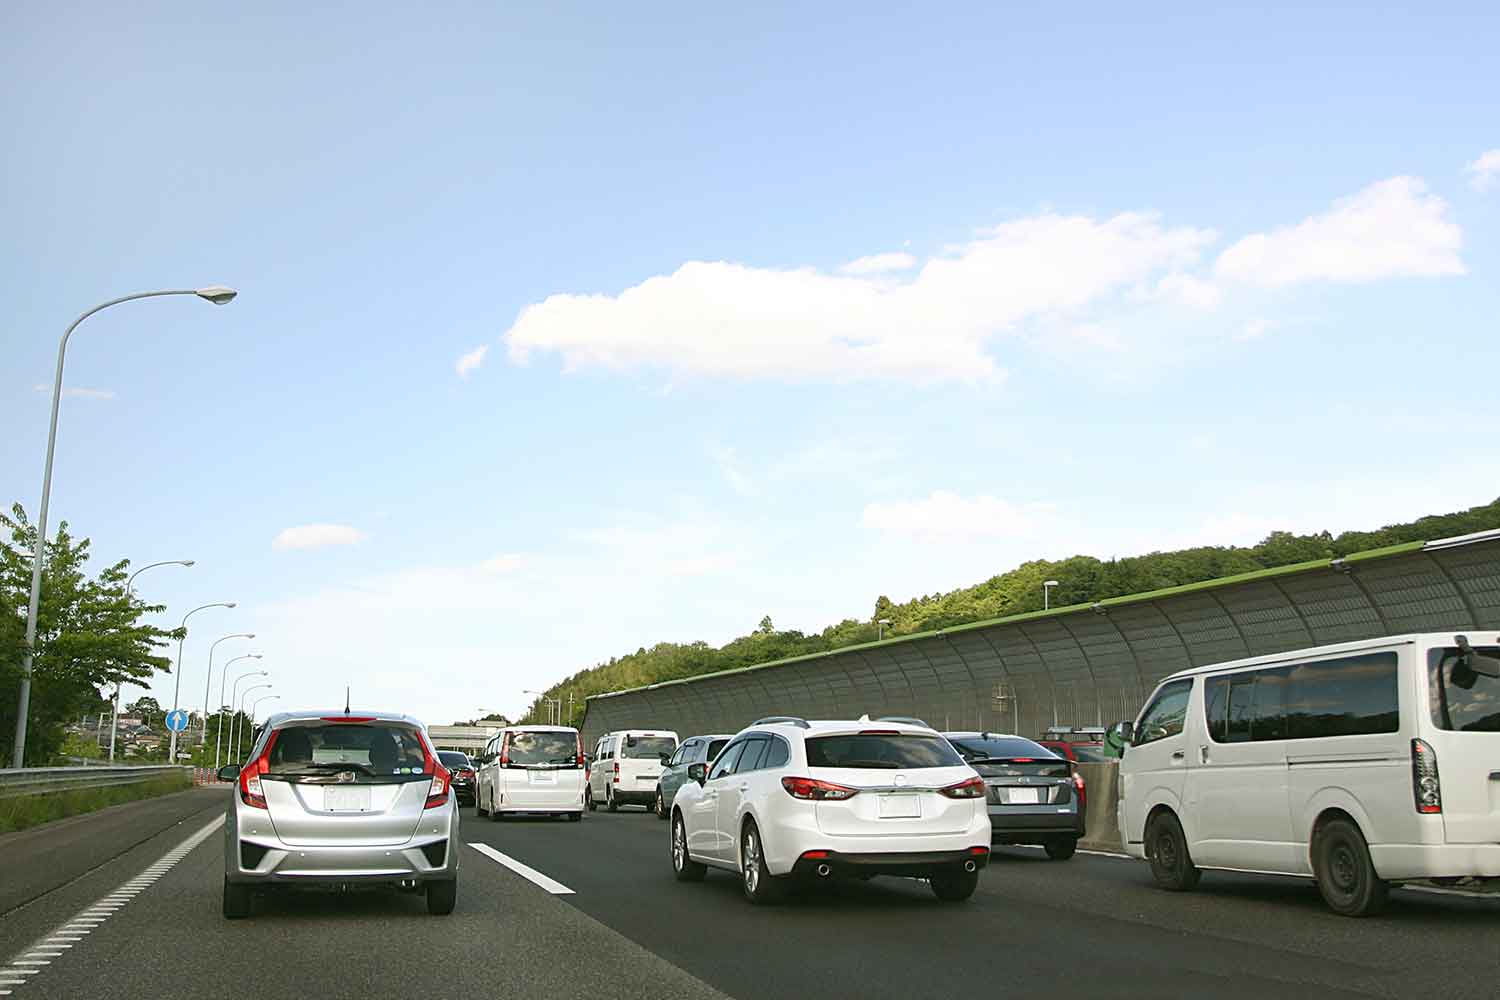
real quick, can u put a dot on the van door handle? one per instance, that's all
(745, 787)
(1495, 775)
(1203, 755)
(1177, 755)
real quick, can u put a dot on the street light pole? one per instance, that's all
(880, 624)
(224, 676)
(1047, 586)
(254, 706)
(210, 678)
(177, 672)
(216, 294)
(114, 715)
(239, 729)
(234, 701)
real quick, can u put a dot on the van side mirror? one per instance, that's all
(229, 772)
(698, 773)
(1120, 736)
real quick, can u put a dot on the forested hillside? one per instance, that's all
(1081, 579)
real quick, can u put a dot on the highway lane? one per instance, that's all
(1035, 928)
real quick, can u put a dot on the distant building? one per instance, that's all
(469, 739)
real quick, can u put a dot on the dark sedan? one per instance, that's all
(465, 782)
(1034, 796)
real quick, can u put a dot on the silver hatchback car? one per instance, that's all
(341, 800)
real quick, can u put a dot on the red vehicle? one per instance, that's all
(1079, 753)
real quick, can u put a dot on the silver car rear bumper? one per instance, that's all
(261, 859)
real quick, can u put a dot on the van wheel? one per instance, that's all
(588, 798)
(1061, 849)
(237, 901)
(684, 867)
(1346, 876)
(954, 886)
(661, 807)
(441, 896)
(609, 798)
(759, 884)
(1171, 864)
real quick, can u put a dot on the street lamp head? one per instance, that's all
(186, 562)
(230, 604)
(217, 294)
(1050, 583)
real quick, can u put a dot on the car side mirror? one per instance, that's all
(1120, 736)
(698, 773)
(229, 772)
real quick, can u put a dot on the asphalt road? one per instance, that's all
(1035, 928)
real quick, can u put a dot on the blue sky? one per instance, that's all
(766, 311)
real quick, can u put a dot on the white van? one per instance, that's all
(626, 766)
(532, 769)
(1361, 764)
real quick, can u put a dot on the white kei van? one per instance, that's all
(532, 769)
(1361, 764)
(626, 767)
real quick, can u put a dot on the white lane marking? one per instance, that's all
(30, 961)
(525, 871)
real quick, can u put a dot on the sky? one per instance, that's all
(563, 332)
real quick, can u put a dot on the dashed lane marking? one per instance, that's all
(525, 871)
(34, 960)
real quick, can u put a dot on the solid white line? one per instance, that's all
(525, 871)
(91, 917)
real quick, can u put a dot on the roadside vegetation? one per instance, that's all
(1081, 580)
(22, 811)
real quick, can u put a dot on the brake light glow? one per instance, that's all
(979, 852)
(505, 751)
(1425, 785)
(617, 772)
(973, 788)
(347, 718)
(814, 855)
(437, 790)
(251, 792)
(817, 791)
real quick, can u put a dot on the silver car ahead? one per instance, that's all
(341, 800)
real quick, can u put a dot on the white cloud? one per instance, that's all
(946, 516)
(732, 469)
(1485, 171)
(880, 263)
(78, 392)
(506, 563)
(471, 361)
(1189, 291)
(1391, 229)
(1255, 329)
(317, 536)
(720, 318)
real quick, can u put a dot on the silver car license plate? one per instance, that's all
(346, 799)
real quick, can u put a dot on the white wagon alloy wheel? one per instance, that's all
(757, 881)
(683, 866)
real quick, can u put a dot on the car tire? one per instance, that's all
(954, 886)
(683, 866)
(609, 798)
(441, 897)
(1171, 863)
(1061, 849)
(588, 798)
(237, 900)
(661, 807)
(756, 880)
(1346, 876)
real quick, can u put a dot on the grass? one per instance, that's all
(24, 811)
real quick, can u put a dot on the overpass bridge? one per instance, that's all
(1089, 663)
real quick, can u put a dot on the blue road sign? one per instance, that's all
(177, 721)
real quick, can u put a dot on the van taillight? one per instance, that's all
(617, 772)
(505, 751)
(579, 738)
(1425, 786)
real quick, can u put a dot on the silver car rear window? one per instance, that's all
(375, 749)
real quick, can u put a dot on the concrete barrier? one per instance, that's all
(1102, 789)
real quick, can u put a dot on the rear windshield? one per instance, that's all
(1464, 691)
(377, 749)
(999, 748)
(886, 752)
(542, 748)
(452, 758)
(647, 747)
(714, 749)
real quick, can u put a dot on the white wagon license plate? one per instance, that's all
(543, 778)
(346, 799)
(900, 807)
(1022, 796)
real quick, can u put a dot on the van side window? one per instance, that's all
(1166, 714)
(1350, 696)
(1247, 706)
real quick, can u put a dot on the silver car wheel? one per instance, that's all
(751, 852)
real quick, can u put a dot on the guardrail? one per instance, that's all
(41, 780)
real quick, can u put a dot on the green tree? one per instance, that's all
(89, 635)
